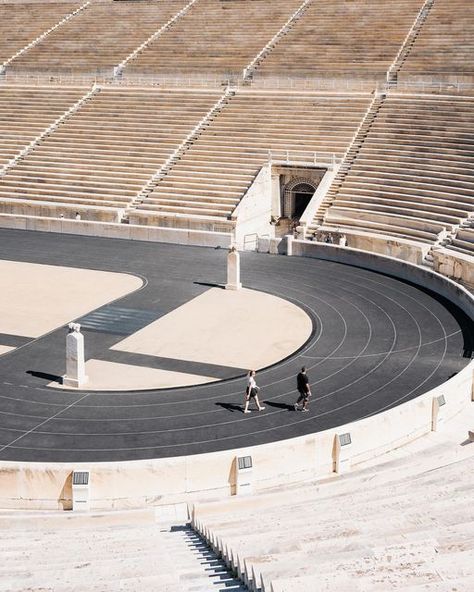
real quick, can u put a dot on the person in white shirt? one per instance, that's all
(252, 392)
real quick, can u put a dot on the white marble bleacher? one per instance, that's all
(463, 241)
(203, 188)
(26, 111)
(105, 552)
(404, 524)
(98, 160)
(215, 37)
(103, 35)
(443, 49)
(21, 23)
(357, 39)
(413, 176)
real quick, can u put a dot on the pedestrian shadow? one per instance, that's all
(230, 407)
(280, 405)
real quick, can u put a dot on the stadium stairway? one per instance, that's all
(347, 160)
(106, 552)
(407, 45)
(294, 18)
(405, 524)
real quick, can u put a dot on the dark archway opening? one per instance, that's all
(302, 200)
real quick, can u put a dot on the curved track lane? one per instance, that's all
(377, 342)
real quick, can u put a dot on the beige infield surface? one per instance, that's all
(35, 299)
(111, 376)
(241, 329)
(5, 348)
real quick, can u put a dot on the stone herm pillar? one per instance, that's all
(233, 270)
(75, 362)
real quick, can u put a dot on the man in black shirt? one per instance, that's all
(302, 384)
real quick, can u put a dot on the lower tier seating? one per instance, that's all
(203, 188)
(463, 241)
(26, 112)
(414, 173)
(107, 552)
(98, 160)
(406, 525)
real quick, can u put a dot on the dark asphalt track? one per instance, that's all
(377, 342)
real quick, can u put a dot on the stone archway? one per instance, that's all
(296, 196)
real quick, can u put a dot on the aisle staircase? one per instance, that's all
(107, 552)
(347, 160)
(294, 18)
(408, 43)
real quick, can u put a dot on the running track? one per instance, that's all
(377, 342)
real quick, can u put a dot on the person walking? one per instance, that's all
(302, 384)
(252, 392)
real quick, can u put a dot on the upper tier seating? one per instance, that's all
(207, 183)
(97, 161)
(414, 174)
(443, 51)
(350, 38)
(22, 23)
(26, 112)
(215, 36)
(99, 37)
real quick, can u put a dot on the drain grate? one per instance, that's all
(117, 320)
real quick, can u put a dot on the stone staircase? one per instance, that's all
(448, 239)
(294, 18)
(347, 161)
(407, 45)
(118, 70)
(106, 552)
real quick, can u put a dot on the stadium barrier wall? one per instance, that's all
(176, 480)
(457, 266)
(179, 236)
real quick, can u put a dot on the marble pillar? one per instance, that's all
(75, 361)
(233, 270)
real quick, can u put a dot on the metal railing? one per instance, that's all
(316, 83)
(304, 158)
(216, 80)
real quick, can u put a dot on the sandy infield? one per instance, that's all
(242, 329)
(35, 299)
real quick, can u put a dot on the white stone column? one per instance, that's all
(75, 361)
(233, 270)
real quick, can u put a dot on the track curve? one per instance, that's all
(377, 342)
